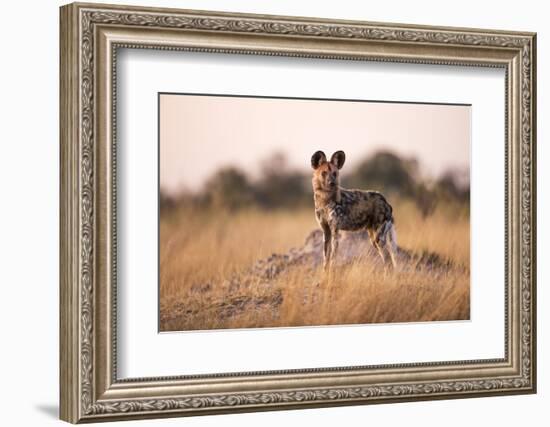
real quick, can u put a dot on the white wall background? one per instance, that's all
(29, 171)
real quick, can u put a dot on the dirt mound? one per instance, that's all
(353, 247)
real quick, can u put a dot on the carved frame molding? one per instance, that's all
(90, 34)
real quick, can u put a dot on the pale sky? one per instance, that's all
(200, 134)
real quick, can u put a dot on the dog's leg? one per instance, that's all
(374, 236)
(381, 251)
(387, 243)
(391, 244)
(374, 243)
(334, 247)
(327, 236)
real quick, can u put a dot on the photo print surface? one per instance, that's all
(289, 212)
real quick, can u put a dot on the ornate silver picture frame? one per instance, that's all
(91, 35)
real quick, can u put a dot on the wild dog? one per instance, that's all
(338, 209)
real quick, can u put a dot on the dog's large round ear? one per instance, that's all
(338, 159)
(318, 159)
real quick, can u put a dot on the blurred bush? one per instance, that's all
(386, 172)
(229, 188)
(280, 186)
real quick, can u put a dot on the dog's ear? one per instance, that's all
(318, 159)
(338, 159)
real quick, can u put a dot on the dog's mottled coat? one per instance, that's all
(338, 209)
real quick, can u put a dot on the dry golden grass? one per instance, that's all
(205, 281)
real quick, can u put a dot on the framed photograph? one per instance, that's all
(266, 212)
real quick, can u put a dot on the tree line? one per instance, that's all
(281, 187)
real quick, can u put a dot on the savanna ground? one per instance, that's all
(262, 268)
